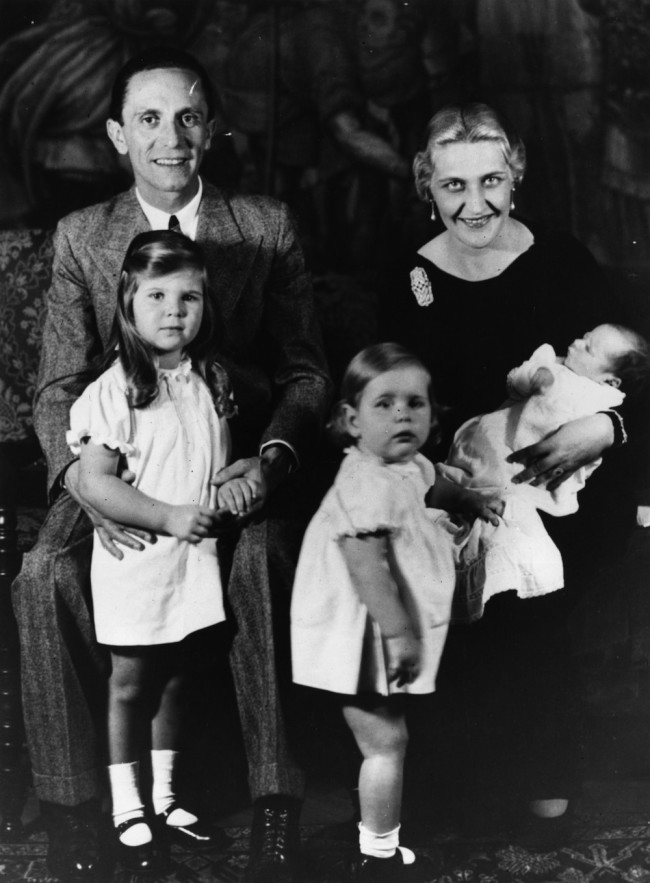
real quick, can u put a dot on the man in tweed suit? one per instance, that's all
(162, 119)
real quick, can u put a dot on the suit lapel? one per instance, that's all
(229, 254)
(126, 221)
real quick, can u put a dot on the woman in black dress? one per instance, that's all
(482, 294)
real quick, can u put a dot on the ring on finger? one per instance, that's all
(557, 472)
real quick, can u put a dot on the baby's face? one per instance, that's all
(595, 354)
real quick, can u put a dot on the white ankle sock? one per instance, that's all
(162, 771)
(163, 762)
(127, 803)
(378, 845)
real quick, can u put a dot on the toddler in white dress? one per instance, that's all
(373, 589)
(545, 392)
(161, 405)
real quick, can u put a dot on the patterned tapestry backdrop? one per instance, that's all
(574, 75)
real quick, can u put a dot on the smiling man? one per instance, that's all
(162, 121)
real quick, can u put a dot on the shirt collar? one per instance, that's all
(411, 467)
(187, 216)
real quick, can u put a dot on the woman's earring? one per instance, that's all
(433, 210)
(512, 199)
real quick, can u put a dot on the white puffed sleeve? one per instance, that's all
(102, 414)
(367, 502)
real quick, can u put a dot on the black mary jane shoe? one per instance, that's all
(144, 859)
(367, 869)
(196, 836)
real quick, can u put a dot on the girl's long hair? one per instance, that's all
(150, 255)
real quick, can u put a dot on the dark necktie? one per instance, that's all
(174, 225)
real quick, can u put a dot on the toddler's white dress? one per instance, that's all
(171, 588)
(335, 644)
(518, 553)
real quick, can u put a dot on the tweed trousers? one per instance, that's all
(64, 670)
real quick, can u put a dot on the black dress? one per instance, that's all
(506, 699)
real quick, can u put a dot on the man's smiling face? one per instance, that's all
(164, 131)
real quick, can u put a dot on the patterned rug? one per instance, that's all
(601, 851)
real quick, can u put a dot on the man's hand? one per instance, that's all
(110, 533)
(552, 460)
(238, 496)
(241, 487)
(244, 486)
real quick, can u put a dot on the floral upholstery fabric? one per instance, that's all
(25, 272)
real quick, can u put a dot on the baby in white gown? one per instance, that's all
(545, 392)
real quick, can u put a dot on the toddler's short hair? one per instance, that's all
(364, 367)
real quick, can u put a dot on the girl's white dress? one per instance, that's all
(335, 644)
(171, 588)
(518, 553)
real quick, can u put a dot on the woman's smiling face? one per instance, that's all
(472, 189)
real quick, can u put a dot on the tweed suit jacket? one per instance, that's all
(271, 342)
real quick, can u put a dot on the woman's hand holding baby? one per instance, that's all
(552, 460)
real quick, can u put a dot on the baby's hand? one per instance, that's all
(237, 496)
(403, 654)
(191, 523)
(542, 379)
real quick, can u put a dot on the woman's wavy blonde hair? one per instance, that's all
(467, 124)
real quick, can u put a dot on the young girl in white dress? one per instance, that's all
(161, 404)
(375, 578)
(545, 392)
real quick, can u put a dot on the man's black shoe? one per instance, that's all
(74, 851)
(275, 840)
